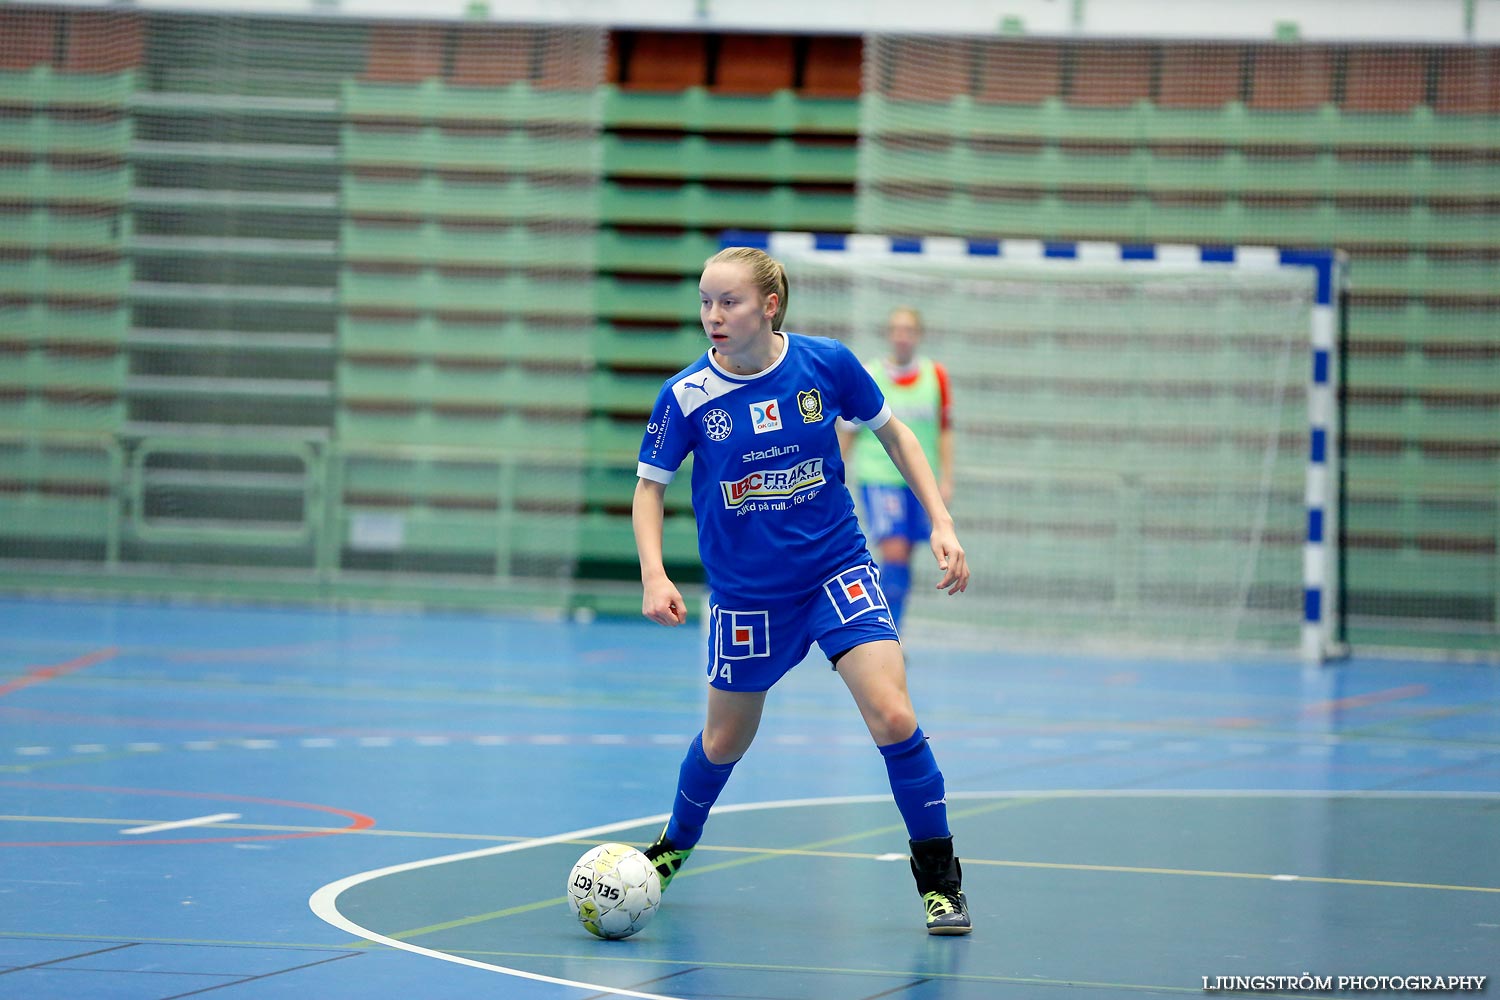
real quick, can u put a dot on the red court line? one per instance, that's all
(37, 675)
(359, 821)
(1363, 700)
(253, 654)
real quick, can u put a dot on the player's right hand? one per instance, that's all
(663, 604)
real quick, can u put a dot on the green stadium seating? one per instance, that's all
(615, 441)
(85, 412)
(431, 242)
(501, 199)
(460, 325)
(434, 383)
(44, 369)
(1422, 572)
(627, 394)
(1421, 274)
(44, 134)
(613, 486)
(654, 252)
(38, 228)
(695, 157)
(40, 276)
(705, 206)
(610, 537)
(488, 430)
(435, 148)
(696, 109)
(40, 182)
(43, 86)
(667, 300)
(434, 290)
(481, 480)
(434, 101)
(90, 323)
(509, 340)
(1429, 419)
(60, 517)
(667, 347)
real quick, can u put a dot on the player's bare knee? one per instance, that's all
(892, 723)
(724, 746)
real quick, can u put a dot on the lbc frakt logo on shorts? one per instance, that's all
(766, 416)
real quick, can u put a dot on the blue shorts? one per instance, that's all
(894, 512)
(750, 648)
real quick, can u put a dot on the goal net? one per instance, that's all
(1132, 436)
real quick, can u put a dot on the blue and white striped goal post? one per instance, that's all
(1321, 633)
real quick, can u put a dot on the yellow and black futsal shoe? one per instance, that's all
(667, 858)
(940, 881)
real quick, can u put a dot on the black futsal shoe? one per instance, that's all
(667, 858)
(940, 881)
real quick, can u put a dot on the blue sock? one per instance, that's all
(698, 786)
(895, 581)
(918, 786)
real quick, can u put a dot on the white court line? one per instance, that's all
(324, 902)
(182, 824)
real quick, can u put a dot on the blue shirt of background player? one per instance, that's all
(774, 517)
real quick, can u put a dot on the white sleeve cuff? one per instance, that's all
(876, 422)
(653, 473)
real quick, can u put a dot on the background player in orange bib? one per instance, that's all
(917, 390)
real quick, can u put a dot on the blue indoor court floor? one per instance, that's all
(263, 803)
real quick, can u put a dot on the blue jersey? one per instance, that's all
(774, 517)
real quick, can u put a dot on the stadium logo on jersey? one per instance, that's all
(766, 415)
(855, 592)
(810, 405)
(772, 483)
(775, 451)
(717, 425)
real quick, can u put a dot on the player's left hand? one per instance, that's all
(951, 560)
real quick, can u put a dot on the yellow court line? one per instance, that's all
(769, 853)
(634, 959)
(43, 764)
(1322, 879)
(972, 977)
(758, 854)
(488, 838)
(190, 942)
(813, 849)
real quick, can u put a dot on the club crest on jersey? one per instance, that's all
(766, 415)
(717, 425)
(810, 405)
(855, 592)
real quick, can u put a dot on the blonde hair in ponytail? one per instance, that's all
(766, 273)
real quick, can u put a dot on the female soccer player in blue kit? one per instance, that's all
(782, 550)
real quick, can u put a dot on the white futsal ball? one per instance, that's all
(614, 891)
